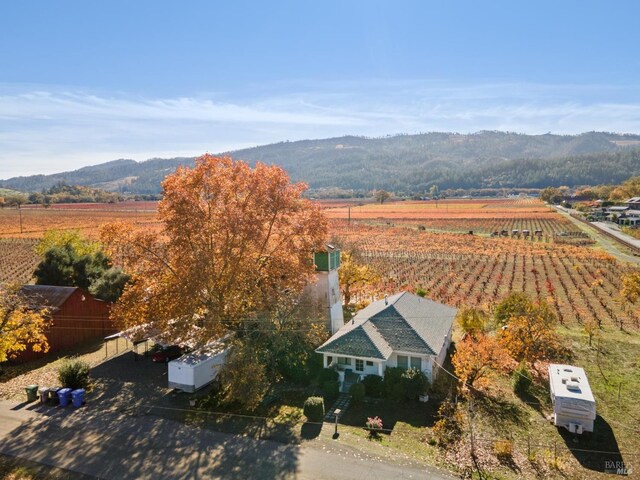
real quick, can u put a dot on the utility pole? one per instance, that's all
(473, 448)
(349, 218)
(20, 215)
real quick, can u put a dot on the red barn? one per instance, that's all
(76, 317)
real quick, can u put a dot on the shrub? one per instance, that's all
(314, 365)
(401, 385)
(328, 375)
(503, 449)
(415, 383)
(74, 373)
(357, 393)
(373, 386)
(314, 409)
(331, 388)
(394, 387)
(448, 427)
(522, 379)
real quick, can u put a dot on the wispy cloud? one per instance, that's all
(51, 129)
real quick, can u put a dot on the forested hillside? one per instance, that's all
(402, 163)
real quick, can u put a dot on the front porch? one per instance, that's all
(353, 369)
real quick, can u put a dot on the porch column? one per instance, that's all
(380, 369)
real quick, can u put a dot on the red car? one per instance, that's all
(167, 353)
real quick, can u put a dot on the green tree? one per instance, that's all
(80, 244)
(110, 285)
(552, 195)
(89, 268)
(92, 270)
(381, 196)
(472, 320)
(57, 267)
(516, 304)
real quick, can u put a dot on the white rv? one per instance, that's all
(194, 370)
(574, 407)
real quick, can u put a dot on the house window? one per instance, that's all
(344, 361)
(416, 362)
(359, 365)
(369, 363)
(403, 362)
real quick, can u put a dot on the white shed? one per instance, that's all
(194, 370)
(574, 407)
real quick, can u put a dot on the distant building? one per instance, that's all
(76, 317)
(633, 202)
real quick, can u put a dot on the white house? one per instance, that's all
(574, 407)
(403, 330)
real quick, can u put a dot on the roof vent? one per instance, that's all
(386, 301)
(573, 386)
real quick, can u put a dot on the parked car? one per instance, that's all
(167, 353)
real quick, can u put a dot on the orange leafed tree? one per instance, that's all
(531, 337)
(235, 241)
(476, 358)
(21, 324)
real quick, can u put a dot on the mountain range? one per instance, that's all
(399, 163)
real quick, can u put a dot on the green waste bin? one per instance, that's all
(32, 393)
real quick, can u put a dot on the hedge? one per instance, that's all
(314, 409)
(373, 385)
(357, 393)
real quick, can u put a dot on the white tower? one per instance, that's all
(326, 288)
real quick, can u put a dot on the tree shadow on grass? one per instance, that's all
(597, 450)
(537, 397)
(501, 411)
(414, 413)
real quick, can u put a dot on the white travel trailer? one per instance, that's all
(574, 407)
(194, 370)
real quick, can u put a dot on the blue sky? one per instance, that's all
(86, 82)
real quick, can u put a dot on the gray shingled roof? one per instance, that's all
(404, 322)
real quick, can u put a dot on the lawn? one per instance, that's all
(539, 448)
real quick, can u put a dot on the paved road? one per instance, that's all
(113, 445)
(607, 244)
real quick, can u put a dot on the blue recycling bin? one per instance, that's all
(77, 397)
(64, 395)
